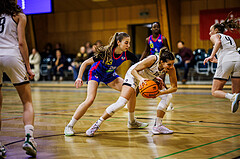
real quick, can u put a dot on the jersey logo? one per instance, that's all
(123, 58)
(109, 62)
(151, 44)
(159, 40)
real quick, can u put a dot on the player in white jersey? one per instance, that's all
(14, 61)
(148, 69)
(228, 62)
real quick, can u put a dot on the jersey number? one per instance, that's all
(2, 22)
(228, 39)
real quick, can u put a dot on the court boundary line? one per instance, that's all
(198, 146)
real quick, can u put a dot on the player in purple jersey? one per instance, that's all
(105, 62)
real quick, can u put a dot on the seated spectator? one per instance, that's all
(187, 60)
(98, 43)
(88, 47)
(80, 57)
(58, 67)
(34, 60)
(47, 56)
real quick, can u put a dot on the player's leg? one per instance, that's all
(24, 91)
(83, 107)
(236, 87)
(122, 100)
(158, 127)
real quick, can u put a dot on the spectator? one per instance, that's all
(81, 56)
(58, 46)
(88, 47)
(93, 51)
(59, 65)
(98, 43)
(47, 58)
(187, 60)
(34, 60)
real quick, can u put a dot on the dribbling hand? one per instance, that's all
(78, 83)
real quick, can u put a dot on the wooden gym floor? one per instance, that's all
(203, 125)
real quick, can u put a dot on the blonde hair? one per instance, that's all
(105, 52)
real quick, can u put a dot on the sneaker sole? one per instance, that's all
(157, 133)
(129, 127)
(236, 104)
(30, 151)
(69, 134)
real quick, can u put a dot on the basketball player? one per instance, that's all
(228, 62)
(148, 69)
(14, 61)
(105, 62)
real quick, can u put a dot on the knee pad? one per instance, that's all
(121, 102)
(165, 101)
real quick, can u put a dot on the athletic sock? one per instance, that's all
(100, 121)
(131, 117)
(72, 122)
(29, 130)
(158, 121)
(229, 96)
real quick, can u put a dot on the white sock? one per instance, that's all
(229, 96)
(99, 121)
(72, 122)
(29, 130)
(158, 121)
(131, 117)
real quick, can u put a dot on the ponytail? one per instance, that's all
(105, 52)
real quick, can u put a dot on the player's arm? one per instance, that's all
(147, 62)
(173, 82)
(79, 82)
(22, 21)
(146, 52)
(215, 39)
(165, 43)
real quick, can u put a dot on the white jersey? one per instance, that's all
(149, 73)
(8, 33)
(227, 52)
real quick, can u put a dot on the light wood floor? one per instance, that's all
(203, 126)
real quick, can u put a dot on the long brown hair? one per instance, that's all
(165, 55)
(9, 7)
(105, 52)
(228, 24)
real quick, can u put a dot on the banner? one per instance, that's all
(210, 17)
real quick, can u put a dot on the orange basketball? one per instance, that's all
(149, 90)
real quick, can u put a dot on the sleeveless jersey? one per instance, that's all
(106, 68)
(150, 72)
(227, 50)
(8, 32)
(155, 45)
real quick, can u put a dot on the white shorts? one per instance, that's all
(226, 69)
(14, 68)
(129, 80)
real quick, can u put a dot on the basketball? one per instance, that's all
(149, 90)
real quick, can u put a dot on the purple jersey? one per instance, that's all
(155, 45)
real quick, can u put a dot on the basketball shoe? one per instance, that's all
(137, 125)
(68, 131)
(235, 102)
(30, 146)
(161, 130)
(2, 151)
(90, 132)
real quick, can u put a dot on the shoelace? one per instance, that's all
(94, 128)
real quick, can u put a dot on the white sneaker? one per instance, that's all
(30, 146)
(68, 131)
(170, 107)
(92, 130)
(2, 151)
(235, 102)
(161, 130)
(137, 125)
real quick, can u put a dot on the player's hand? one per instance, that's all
(30, 74)
(210, 58)
(160, 83)
(142, 82)
(78, 83)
